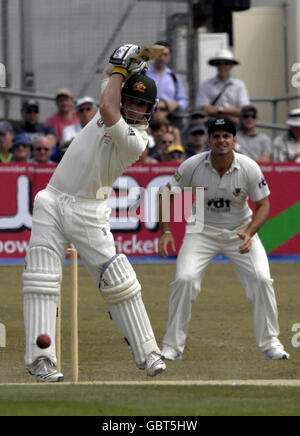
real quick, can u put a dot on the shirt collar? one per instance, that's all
(151, 69)
(235, 164)
(5, 159)
(140, 126)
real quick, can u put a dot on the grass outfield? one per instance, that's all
(220, 346)
(78, 400)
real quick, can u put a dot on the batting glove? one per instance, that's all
(137, 68)
(123, 55)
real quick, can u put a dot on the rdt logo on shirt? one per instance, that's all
(219, 203)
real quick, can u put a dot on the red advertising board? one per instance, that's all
(136, 236)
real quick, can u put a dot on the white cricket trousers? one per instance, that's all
(59, 219)
(196, 252)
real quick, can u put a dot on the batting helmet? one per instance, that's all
(142, 88)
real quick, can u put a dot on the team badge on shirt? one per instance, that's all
(100, 123)
(237, 192)
(177, 176)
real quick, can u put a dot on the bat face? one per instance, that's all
(149, 52)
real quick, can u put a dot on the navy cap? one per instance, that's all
(30, 103)
(249, 108)
(222, 124)
(5, 127)
(21, 138)
(196, 126)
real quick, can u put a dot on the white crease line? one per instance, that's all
(288, 383)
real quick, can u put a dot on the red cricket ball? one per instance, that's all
(43, 341)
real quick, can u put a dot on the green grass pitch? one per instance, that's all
(220, 346)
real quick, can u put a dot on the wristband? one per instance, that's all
(167, 232)
(120, 70)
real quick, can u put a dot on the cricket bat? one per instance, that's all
(149, 52)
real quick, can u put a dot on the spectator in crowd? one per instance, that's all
(161, 154)
(254, 144)
(156, 129)
(286, 147)
(86, 109)
(65, 115)
(196, 138)
(162, 112)
(222, 95)
(42, 151)
(176, 153)
(146, 158)
(6, 138)
(30, 112)
(21, 148)
(199, 114)
(169, 86)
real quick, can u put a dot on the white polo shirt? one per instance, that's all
(225, 198)
(97, 156)
(235, 95)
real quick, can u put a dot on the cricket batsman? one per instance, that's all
(73, 209)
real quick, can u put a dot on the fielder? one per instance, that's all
(73, 209)
(230, 228)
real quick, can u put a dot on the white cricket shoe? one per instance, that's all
(44, 371)
(169, 353)
(276, 353)
(154, 364)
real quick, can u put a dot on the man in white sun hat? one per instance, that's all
(287, 146)
(222, 95)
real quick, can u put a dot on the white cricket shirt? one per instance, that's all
(97, 156)
(225, 198)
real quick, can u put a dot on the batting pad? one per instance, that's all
(41, 287)
(122, 292)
